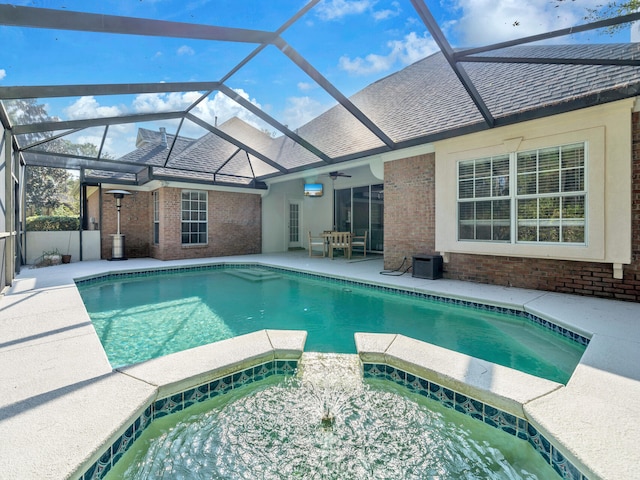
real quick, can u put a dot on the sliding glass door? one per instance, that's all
(359, 209)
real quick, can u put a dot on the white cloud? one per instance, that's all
(388, 13)
(163, 102)
(372, 63)
(306, 86)
(219, 106)
(300, 110)
(336, 9)
(186, 50)
(408, 50)
(88, 107)
(3, 73)
(118, 140)
(414, 47)
(490, 21)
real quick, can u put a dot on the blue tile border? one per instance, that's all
(507, 422)
(464, 404)
(178, 402)
(107, 277)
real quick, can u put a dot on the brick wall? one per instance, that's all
(135, 220)
(409, 229)
(234, 226)
(409, 209)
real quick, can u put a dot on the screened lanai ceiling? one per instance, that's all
(239, 92)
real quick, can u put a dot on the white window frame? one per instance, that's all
(539, 222)
(156, 218)
(194, 221)
(491, 196)
(514, 197)
(605, 129)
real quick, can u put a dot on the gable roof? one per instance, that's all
(422, 103)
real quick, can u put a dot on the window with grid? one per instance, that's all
(551, 195)
(546, 205)
(156, 218)
(194, 217)
(484, 202)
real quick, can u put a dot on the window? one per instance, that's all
(484, 204)
(551, 195)
(547, 204)
(194, 217)
(156, 218)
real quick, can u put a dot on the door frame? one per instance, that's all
(295, 244)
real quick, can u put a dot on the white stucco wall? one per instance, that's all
(606, 130)
(64, 242)
(317, 213)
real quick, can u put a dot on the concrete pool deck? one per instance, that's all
(60, 400)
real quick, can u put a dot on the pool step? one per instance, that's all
(253, 274)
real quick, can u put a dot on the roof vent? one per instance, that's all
(163, 137)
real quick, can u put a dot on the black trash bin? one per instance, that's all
(427, 266)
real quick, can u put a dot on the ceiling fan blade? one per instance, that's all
(338, 174)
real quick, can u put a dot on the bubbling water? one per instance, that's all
(326, 423)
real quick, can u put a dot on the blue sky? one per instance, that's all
(350, 42)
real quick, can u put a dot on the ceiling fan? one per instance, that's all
(337, 174)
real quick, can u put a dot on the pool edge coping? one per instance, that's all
(613, 423)
(498, 400)
(372, 349)
(275, 345)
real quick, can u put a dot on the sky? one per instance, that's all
(352, 43)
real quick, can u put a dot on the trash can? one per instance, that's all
(427, 266)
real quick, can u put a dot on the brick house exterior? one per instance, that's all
(409, 209)
(434, 127)
(234, 225)
(410, 223)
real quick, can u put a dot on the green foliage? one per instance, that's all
(64, 211)
(42, 223)
(47, 190)
(610, 10)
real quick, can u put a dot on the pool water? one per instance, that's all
(275, 430)
(146, 317)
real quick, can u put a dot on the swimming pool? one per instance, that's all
(326, 422)
(139, 316)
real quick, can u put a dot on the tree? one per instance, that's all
(613, 9)
(609, 10)
(47, 188)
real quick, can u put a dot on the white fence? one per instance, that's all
(65, 243)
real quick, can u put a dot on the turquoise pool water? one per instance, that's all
(276, 429)
(147, 317)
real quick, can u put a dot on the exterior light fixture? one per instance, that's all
(117, 251)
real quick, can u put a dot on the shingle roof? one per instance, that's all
(514, 88)
(421, 103)
(426, 98)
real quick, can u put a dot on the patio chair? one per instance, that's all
(360, 241)
(317, 242)
(340, 241)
